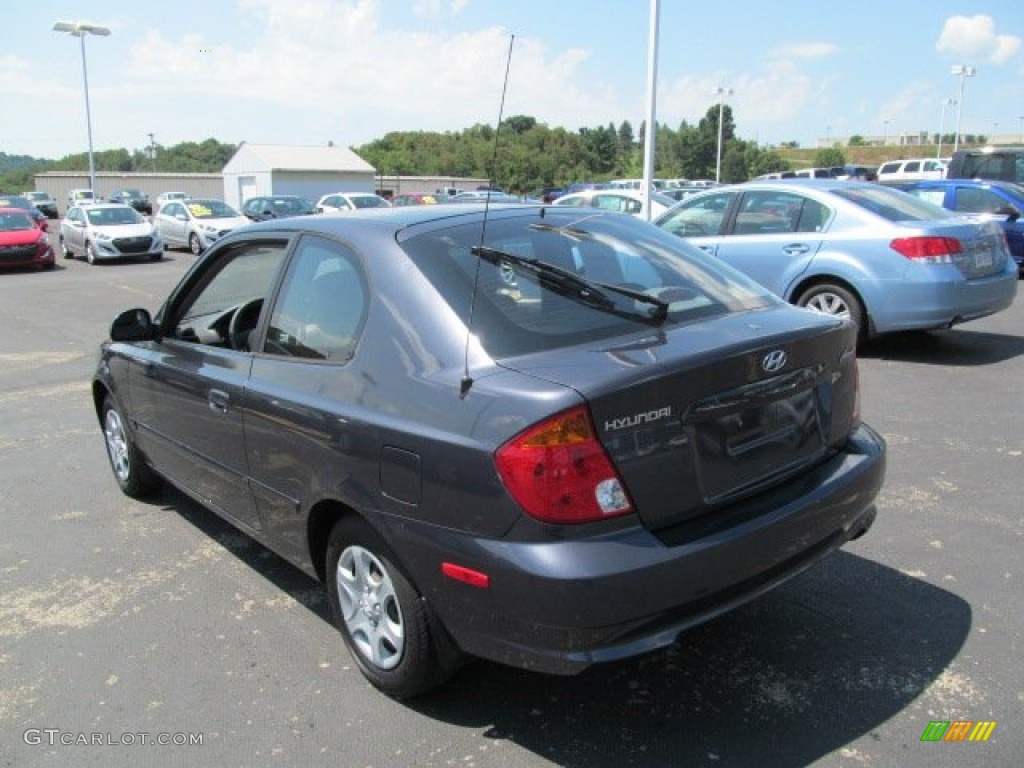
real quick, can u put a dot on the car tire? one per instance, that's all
(194, 244)
(133, 475)
(90, 254)
(832, 299)
(64, 250)
(156, 256)
(390, 630)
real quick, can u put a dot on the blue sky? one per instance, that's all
(311, 71)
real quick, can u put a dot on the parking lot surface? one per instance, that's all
(153, 633)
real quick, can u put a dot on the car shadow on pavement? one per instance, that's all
(957, 347)
(818, 663)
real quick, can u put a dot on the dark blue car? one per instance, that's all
(981, 197)
(535, 434)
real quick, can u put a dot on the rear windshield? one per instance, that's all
(516, 311)
(892, 204)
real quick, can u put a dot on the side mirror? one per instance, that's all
(1008, 211)
(133, 325)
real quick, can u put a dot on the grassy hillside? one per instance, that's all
(870, 156)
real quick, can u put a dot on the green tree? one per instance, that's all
(828, 157)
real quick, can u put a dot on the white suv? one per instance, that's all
(912, 168)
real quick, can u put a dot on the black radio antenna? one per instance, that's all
(467, 380)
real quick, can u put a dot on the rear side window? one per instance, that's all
(892, 205)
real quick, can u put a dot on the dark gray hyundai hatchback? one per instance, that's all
(544, 436)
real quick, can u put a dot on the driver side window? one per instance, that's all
(225, 304)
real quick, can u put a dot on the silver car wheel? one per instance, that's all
(194, 244)
(90, 254)
(829, 304)
(370, 608)
(118, 448)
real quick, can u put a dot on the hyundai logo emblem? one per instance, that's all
(774, 361)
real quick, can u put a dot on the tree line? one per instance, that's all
(521, 155)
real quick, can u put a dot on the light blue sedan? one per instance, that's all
(887, 260)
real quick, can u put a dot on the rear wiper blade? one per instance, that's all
(566, 283)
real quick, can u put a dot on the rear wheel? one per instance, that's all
(387, 626)
(831, 299)
(132, 474)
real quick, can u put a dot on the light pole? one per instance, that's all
(722, 93)
(942, 120)
(152, 151)
(885, 135)
(80, 29)
(1020, 134)
(963, 71)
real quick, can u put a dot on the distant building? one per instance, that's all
(266, 169)
(58, 183)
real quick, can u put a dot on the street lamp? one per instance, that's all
(80, 29)
(963, 71)
(942, 120)
(722, 93)
(885, 135)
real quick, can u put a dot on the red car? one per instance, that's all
(22, 242)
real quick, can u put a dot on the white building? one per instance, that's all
(265, 169)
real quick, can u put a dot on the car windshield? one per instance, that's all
(37, 196)
(294, 205)
(574, 278)
(15, 221)
(368, 201)
(106, 217)
(131, 193)
(892, 204)
(210, 209)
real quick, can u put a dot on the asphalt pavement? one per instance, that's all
(151, 633)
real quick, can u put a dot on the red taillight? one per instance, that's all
(934, 250)
(558, 472)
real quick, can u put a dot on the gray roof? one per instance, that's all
(263, 157)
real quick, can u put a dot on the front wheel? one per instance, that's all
(387, 626)
(64, 250)
(831, 299)
(194, 244)
(90, 253)
(133, 475)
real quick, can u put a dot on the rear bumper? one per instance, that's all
(560, 606)
(942, 304)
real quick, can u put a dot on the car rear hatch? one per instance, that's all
(701, 416)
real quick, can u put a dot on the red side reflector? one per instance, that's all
(466, 575)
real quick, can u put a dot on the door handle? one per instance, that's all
(218, 400)
(795, 249)
(708, 249)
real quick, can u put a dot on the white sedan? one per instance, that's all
(350, 201)
(196, 223)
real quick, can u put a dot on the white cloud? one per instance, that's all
(975, 37)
